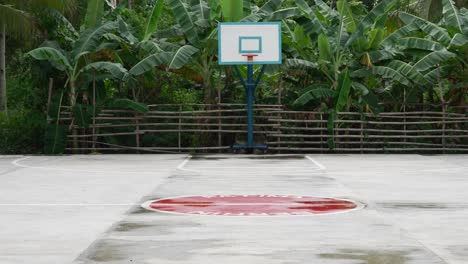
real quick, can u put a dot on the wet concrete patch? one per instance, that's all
(369, 256)
(461, 251)
(126, 227)
(112, 251)
(419, 205)
(250, 157)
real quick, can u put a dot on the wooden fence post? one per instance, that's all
(179, 134)
(137, 132)
(220, 140)
(94, 138)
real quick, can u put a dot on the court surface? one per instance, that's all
(87, 209)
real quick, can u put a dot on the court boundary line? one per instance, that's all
(181, 167)
(66, 204)
(316, 163)
(18, 163)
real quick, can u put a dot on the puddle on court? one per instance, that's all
(126, 227)
(438, 206)
(370, 256)
(125, 251)
(460, 251)
(266, 157)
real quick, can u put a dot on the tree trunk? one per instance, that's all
(72, 105)
(3, 90)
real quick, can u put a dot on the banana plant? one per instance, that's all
(343, 45)
(196, 31)
(441, 42)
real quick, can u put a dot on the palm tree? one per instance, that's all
(17, 18)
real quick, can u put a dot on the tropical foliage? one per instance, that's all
(340, 55)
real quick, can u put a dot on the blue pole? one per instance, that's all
(250, 99)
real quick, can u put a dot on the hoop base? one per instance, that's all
(250, 57)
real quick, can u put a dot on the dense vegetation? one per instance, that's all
(338, 55)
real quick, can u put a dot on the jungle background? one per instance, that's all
(346, 55)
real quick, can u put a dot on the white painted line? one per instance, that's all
(182, 165)
(256, 167)
(65, 204)
(18, 163)
(318, 164)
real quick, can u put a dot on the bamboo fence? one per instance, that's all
(215, 128)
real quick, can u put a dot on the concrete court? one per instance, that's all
(86, 209)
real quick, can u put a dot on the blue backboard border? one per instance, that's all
(246, 62)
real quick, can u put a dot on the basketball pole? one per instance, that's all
(250, 86)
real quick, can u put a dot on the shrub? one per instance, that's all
(21, 132)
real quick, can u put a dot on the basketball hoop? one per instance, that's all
(250, 57)
(250, 44)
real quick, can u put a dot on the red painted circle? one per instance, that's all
(253, 205)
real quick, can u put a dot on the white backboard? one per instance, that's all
(238, 39)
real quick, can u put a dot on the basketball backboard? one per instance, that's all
(249, 43)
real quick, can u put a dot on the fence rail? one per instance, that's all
(209, 128)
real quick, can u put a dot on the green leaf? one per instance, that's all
(55, 56)
(435, 75)
(438, 33)
(348, 17)
(90, 39)
(314, 92)
(55, 139)
(150, 62)
(215, 9)
(378, 11)
(94, 13)
(153, 20)
(299, 36)
(393, 38)
(433, 59)
(380, 55)
(325, 54)
(458, 40)
(184, 19)
(312, 24)
(375, 38)
(343, 89)
(126, 31)
(182, 56)
(125, 103)
(372, 102)
(408, 71)
(451, 15)
(60, 19)
(389, 73)
(285, 13)
(233, 10)
(115, 69)
(149, 47)
(20, 23)
(270, 7)
(83, 115)
(360, 87)
(300, 64)
(201, 12)
(420, 43)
